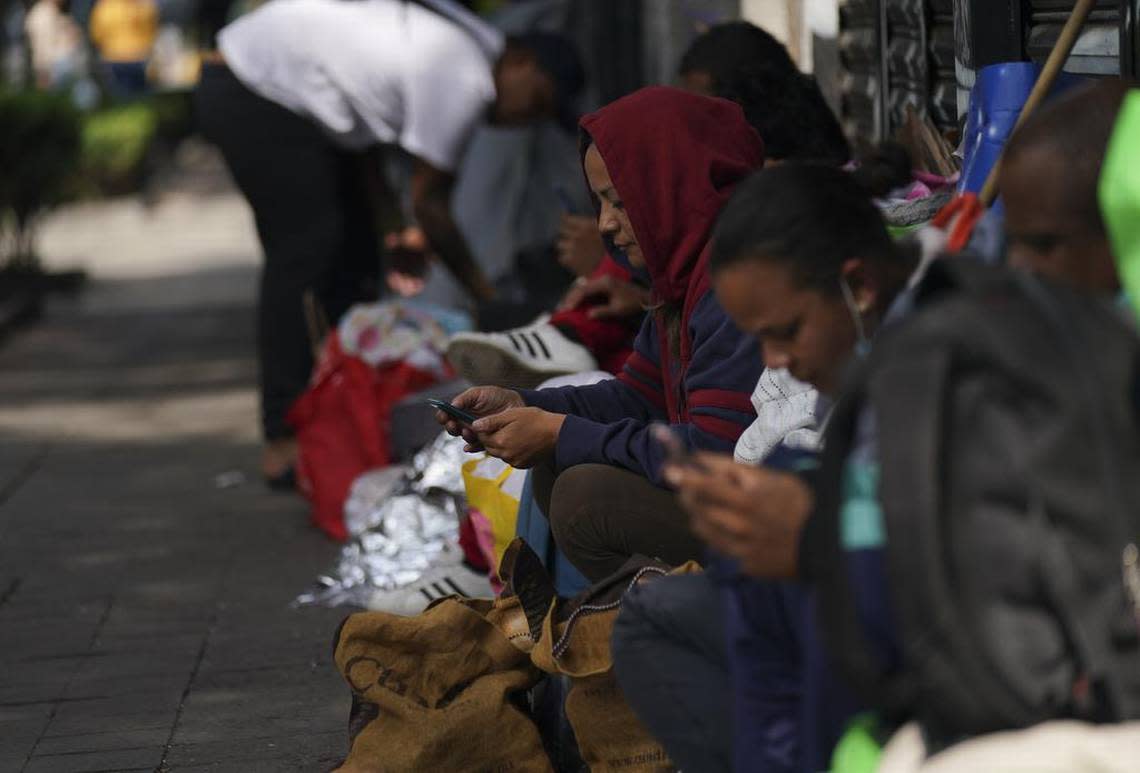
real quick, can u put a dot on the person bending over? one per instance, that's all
(302, 97)
(1049, 176)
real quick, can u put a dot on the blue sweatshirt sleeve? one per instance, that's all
(627, 397)
(615, 399)
(612, 426)
(723, 370)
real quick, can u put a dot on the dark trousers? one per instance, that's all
(671, 662)
(602, 515)
(314, 219)
(125, 80)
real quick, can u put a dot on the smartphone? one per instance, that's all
(463, 417)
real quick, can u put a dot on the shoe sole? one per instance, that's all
(487, 365)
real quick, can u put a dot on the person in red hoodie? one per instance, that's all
(595, 324)
(660, 163)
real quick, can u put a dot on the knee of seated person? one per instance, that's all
(666, 603)
(660, 613)
(636, 633)
(636, 607)
(578, 499)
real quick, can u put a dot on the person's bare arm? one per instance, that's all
(431, 204)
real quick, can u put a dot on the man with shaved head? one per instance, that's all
(1049, 178)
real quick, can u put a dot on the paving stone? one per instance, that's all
(49, 675)
(15, 696)
(138, 602)
(26, 607)
(46, 639)
(21, 735)
(74, 723)
(133, 665)
(15, 717)
(12, 761)
(218, 714)
(113, 740)
(321, 751)
(146, 758)
(95, 687)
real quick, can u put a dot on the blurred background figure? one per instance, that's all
(300, 99)
(56, 44)
(124, 32)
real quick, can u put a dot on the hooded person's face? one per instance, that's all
(613, 221)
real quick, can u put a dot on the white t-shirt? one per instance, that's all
(372, 71)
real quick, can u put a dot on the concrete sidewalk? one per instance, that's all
(144, 610)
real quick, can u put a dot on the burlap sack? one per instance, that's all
(441, 691)
(575, 641)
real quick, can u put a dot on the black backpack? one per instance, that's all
(1008, 433)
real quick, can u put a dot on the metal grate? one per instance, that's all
(924, 53)
(896, 53)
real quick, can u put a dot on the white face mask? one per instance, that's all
(862, 344)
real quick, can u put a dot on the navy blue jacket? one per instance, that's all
(608, 422)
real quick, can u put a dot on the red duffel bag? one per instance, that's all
(341, 423)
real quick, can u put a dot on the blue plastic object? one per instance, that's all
(535, 529)
(995, 103)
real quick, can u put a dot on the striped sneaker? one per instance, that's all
(523, 357)
(436, 583)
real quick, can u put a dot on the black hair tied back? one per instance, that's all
(883, 168)
(809, 217)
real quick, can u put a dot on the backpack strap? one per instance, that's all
(926, 374)
(836, 610)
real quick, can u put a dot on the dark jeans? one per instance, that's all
(125, 80)
(671, 663)
(602, 515)
(314, 219)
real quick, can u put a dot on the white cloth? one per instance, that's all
(1051, 747)
(53, 36)
(785, 413)
(372, 71)
(585, 378)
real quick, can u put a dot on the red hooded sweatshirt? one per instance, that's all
(674, 158)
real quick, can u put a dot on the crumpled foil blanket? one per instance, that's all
(403, 520)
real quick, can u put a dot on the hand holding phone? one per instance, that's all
(463, 417)
(476, 402)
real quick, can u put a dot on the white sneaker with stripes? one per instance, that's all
(523, 357)
(436, 583)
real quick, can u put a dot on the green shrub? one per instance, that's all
(39, 155)
(175, 114)
(116, 141)
(50, 152)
